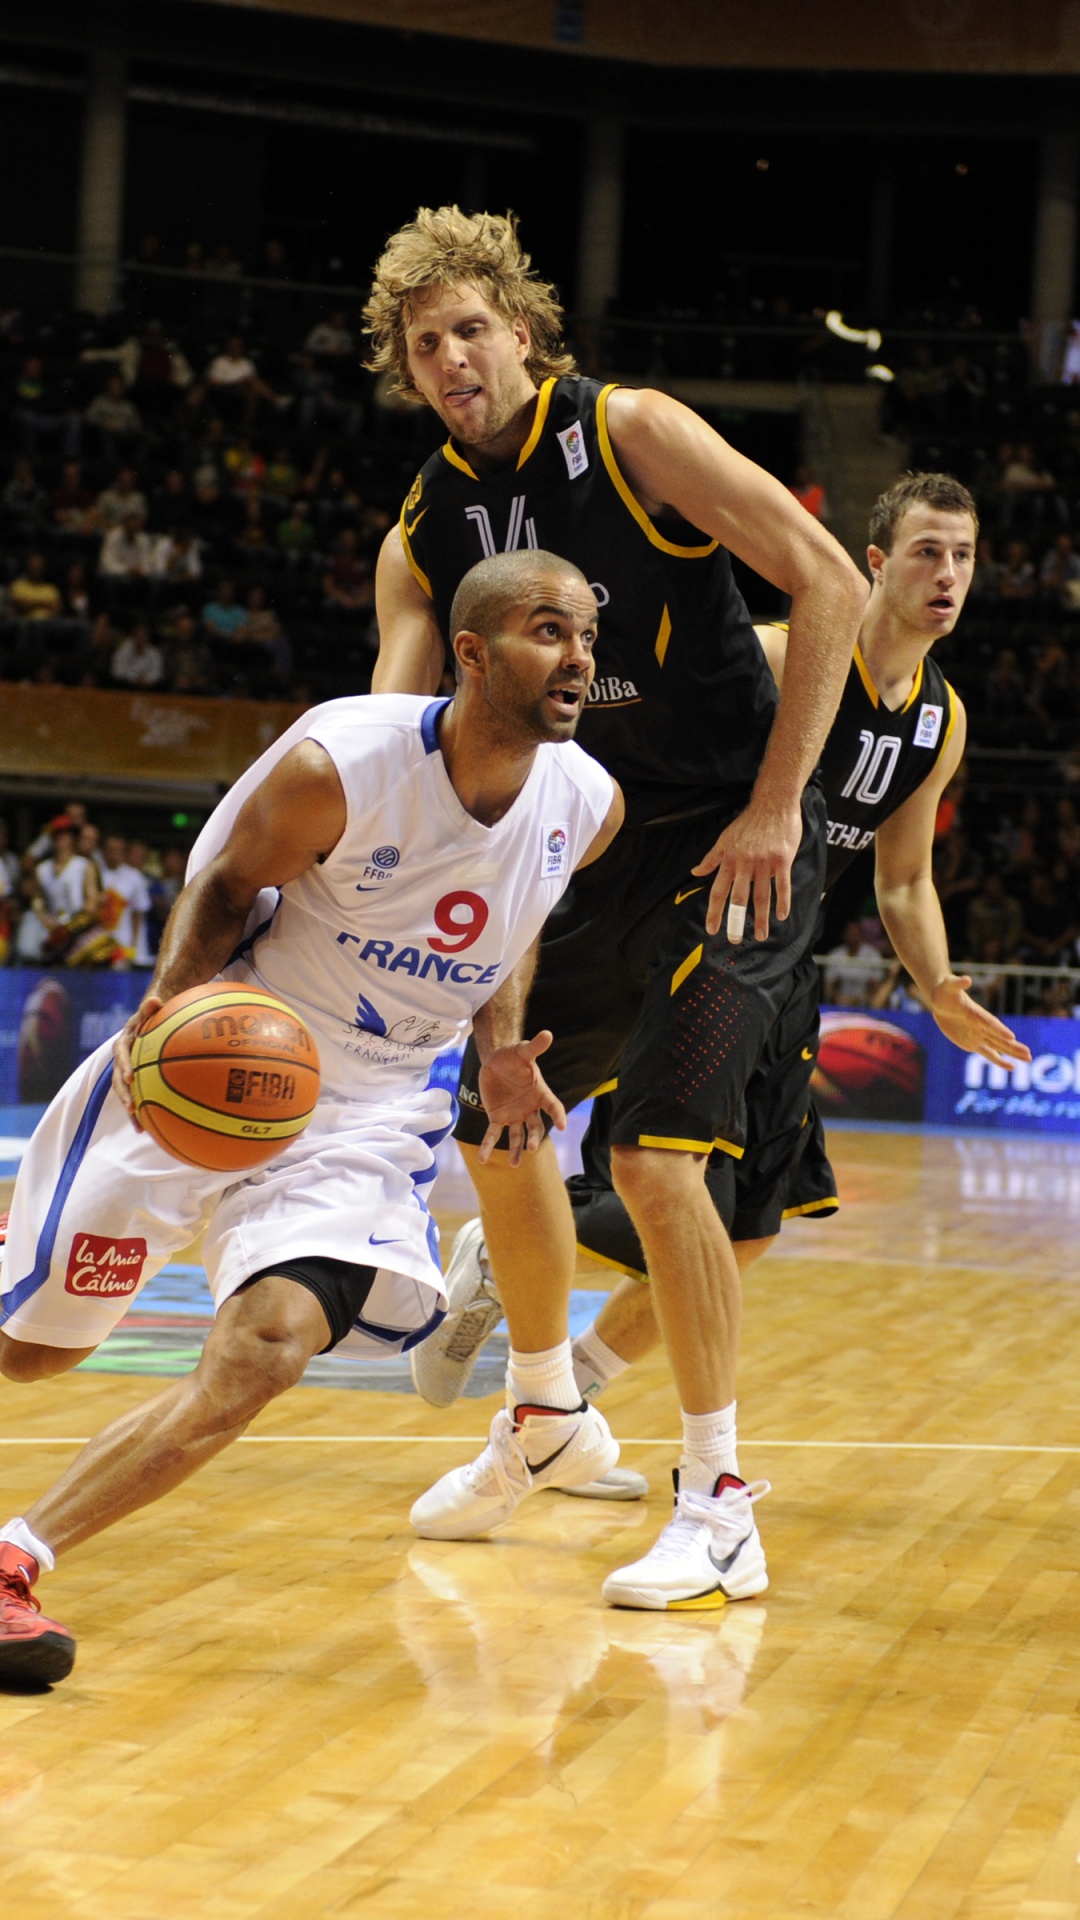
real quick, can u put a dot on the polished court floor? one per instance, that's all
(286, 1706)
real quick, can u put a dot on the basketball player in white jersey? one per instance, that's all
(386, 868)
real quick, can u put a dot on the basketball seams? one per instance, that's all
(149, 1081)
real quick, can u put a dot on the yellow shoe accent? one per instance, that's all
(701, 1603)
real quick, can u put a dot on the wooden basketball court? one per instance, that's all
(285, 1705)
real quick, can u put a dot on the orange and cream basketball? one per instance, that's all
(225, 1076)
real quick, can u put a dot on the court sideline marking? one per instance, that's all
(480, 1439)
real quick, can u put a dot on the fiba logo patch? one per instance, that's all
(575, 452)
(929, 725)
(554, 850)
(385, 857)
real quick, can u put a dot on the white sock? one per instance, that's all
(544, 1379)
(18, 1534)
(595, 1365)
(709, 1442)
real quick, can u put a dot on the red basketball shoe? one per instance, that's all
(32, 1648)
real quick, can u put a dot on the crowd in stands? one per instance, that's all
(195, 515)
(78, 897)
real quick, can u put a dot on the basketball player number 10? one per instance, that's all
(462, 917)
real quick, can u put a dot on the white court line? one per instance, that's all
(480, 1439)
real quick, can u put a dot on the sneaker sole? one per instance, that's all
(45, 1660)
(622, 1483)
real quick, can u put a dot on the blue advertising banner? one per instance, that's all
(50, 1021)
(898, 1066)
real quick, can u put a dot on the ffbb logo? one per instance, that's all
(108, 1268)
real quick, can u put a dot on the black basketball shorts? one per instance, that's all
(645, 1004)
(784, 1168)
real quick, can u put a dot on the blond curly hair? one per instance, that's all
(443, 247)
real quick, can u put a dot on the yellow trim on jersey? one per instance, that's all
(728, 1146)
(630, 502)
(951, 691)
(690, 1146)
(615, 1265)
(683, 973)
(542, 404)
(415, 568)
(663, 636)
(608, 1086)
(451, 453)
(812, 1206)
(864, 676)
(916, 689)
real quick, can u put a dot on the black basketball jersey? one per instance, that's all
(682, 701)
(874, 760)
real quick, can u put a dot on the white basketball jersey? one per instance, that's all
(388, 947)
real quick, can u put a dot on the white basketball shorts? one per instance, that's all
(98, 1208)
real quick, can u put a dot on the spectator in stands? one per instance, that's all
(282, 477)
(1067, 833)
(33, 595)
(253, 537)
(222, 617)
(223, 262)
(331, 338)
(152, 367)
(100, 648)
(264, 629)
(347, 582)
(321, 406)
(295, 534)
(115, 419)
(74, 509)
(123, 498)
(124, 901)
(191, 663)
(164, 889)
(245, 466)
(233, 375)
(848, 985)
(1022, 473)
(993, 916)
(138, 662)
(24, 502)
(9, 859)
(957, 877)
(963, 393)
(1049, 696)
(88, 842)
(273, 262)
(65, 896)
(176, 558)
(76, 593)
(126, 558)
(1018, 580)
(1059, 574)
(39, 410)
(171, 502)
(1050, 923)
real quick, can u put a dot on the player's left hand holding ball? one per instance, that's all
(515, 1095)
(122, 1052)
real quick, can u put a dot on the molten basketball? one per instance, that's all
(868, 1069)
(224, 1077)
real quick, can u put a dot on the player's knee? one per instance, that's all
(23, 1360)
(253, 1367)
(651, 1177)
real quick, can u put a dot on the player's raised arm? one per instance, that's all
(670, 457)
(295, 817)
(911, 915)
(411, 653)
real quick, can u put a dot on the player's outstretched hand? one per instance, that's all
(122, 1053)
(753, 854)
(515, 1095)
(972, 1027)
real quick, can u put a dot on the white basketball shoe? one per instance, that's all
(710, 1552)
(527, 1450)
(441, 1364)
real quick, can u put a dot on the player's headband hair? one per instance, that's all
(443, 247)
(940, 490)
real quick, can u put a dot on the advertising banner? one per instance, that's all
(49, 1022)
(899, 1067)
